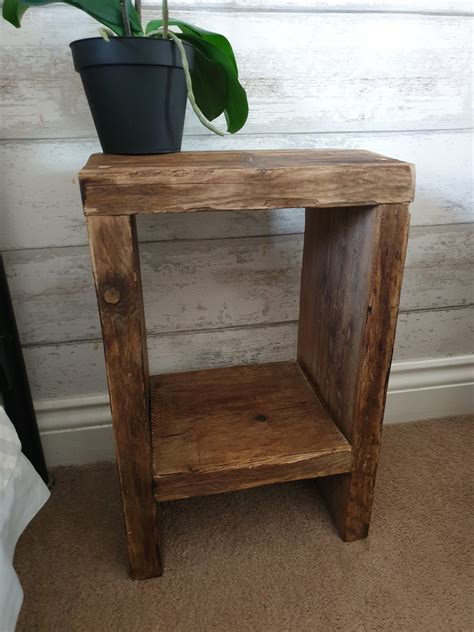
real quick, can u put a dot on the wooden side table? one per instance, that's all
(217, 430)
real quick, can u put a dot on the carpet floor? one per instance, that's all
(267, 559)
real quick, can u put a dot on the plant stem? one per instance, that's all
(126, 22)
(189, 83)
(165, 18)
(138, 9)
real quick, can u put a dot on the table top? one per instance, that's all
(242, 180)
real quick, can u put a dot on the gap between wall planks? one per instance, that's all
(56, 303)
(42, 175)
(77, 369)
(53, 104)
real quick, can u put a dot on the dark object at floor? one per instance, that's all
(14, 385)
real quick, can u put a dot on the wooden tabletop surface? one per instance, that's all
(197, 160)
(241, 180)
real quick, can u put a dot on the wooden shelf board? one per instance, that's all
(219, 430)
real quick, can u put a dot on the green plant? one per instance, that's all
(213, 82)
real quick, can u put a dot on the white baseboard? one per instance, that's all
(428, 389)
(77, 430)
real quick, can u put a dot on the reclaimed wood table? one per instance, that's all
(217, 430)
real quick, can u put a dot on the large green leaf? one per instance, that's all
(209, 86)
(236, 105)
(212, 97)
(106, 12)
(213, 38)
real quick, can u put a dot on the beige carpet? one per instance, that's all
(265, 560)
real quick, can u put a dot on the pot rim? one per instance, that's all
(125, 37)
(90, 52)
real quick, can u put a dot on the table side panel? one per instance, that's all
(352, 272)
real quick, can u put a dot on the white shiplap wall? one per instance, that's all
(393, 77)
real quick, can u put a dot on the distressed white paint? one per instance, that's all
(445, 7)
(76, 369)
(305, 72)
(42, 206)
(389, 76)
(191, 285)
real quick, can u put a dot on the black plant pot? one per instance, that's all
(136, 90)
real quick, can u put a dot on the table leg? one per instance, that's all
(115, 259)
(350, 288)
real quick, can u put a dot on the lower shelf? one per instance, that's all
(219, 430)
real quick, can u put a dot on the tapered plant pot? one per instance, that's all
(136, 91)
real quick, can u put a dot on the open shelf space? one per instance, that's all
(218, 430)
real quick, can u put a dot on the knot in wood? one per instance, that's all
(112, 296)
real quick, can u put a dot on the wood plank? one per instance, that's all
(225, 429)
(213, 284)
(350, 288)
(443, 7)
(226, 180)
(42, 175)
(343, 90)
(116, 267)
(77, 369)
(337, 261)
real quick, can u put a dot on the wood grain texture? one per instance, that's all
(341, 89)
(116, 267)
(227, 180)
(41, 205)
(196, 285)
(225, 429)
(350, 288)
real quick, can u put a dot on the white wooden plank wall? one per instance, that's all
(306, 71)
(391, 76)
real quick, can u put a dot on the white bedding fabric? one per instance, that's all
(22, 494)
